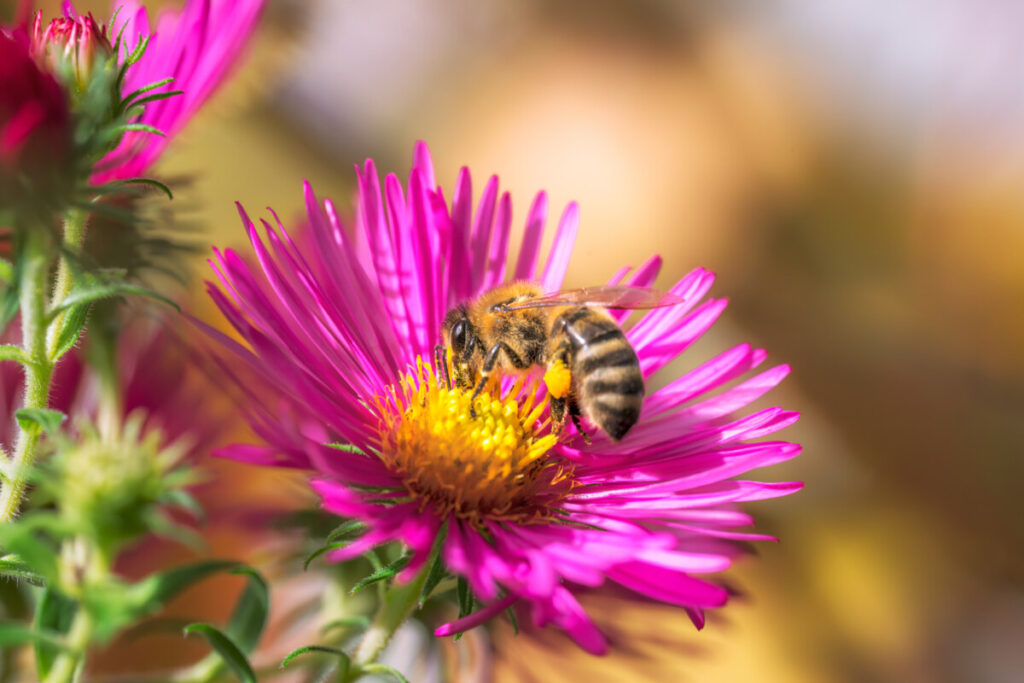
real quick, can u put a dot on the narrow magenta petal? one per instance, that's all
(561, 249)
(476, 618)
(529, 250)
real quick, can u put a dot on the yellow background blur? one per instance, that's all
(854, 176)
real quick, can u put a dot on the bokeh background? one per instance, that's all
(853, 171)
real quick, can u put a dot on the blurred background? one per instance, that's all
(854, 173)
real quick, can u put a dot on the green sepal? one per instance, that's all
(54, 614)
(315, 648)
(384, 573)
(320, 551)
(150, 183)
(511, 614)
(226, 649)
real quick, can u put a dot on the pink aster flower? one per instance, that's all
(196, 46)
(340, 333)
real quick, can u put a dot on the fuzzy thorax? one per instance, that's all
(494, 465)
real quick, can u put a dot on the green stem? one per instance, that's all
(38, 369)
(68, 664)
(398, 604)
(38, 342)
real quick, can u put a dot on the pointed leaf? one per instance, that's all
(71, 326)
(47, 420)
(14, 567)
(105, 290)
(250, 616)
(313, 648)
(155, 590)
(320, 551)
(349, 529)
(382, 573)
(226, 649)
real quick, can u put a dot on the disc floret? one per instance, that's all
(496, 464)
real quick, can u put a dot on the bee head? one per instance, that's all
(456, 331)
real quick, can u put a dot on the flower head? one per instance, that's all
(339, 340)
(196, 47)
(35, 126)
(73, 40)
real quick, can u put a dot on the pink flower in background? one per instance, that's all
(195, 46)
(340, 333)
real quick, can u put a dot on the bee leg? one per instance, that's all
(441, 361)
(575, 414)
(489, 362)
(558, 406)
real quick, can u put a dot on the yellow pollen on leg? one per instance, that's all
(495, 464)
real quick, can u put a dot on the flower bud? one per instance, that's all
(35, 128)
(71, 45)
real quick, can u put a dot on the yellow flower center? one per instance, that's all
(491, 463)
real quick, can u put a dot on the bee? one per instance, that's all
(591, 368)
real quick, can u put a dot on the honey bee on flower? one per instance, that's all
(339, 337)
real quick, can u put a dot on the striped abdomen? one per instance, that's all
(606, 372)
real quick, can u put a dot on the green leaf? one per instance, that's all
(155, 590)
(378, 668)
(71, 329)
(320, 551)
(13, 633)
(437, 571)
(436, 574)
(359, 623)
(466, 600)
(14, 567)
(54, 614)
(151, 183)
(226, 649)
(383, 573)
(48, 420)
(12, 352)
(156, 97)
(145, 89)
(511, 613)
(250, 616)
(97, 291)
(347, 530)
(141, 127)
(314, 648)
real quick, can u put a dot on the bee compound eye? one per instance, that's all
(459, 336)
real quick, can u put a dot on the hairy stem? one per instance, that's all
(38, 369)
(398, 604)
(38, 341)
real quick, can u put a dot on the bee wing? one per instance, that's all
(610, 296)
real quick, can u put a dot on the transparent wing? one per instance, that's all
(610, 296)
